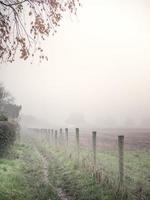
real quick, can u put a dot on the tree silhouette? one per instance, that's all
(24, 23)
(5, 96)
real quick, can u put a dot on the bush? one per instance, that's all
(7, 136)
(3, 118)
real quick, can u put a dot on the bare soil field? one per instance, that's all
(108, 138)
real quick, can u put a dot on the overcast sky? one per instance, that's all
(99, 65)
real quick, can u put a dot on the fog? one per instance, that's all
(98, 72)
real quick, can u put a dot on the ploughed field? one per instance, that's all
(107, 138)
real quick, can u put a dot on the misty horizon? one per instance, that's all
(98, 67)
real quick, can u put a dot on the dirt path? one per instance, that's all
(62, 195)
(44, 159)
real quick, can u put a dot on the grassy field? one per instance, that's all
(79, 182)
(23, 171)
(21, 175)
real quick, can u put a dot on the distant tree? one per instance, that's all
(11, 111)
(5, 96)
(7, 107)
(24, 23)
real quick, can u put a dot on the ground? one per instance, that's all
(37, 169)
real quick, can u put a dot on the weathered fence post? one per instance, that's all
(94, 149)
(41, 134)
(38, 133)
(55, 138)
(49, 137)
(60, 136)
(52, 136)
(66, 133)
(77, 141)
(121, 158)
(46, 136)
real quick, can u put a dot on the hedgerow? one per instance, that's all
(7, 136)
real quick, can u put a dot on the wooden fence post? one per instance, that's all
(49, 138)
(121, 158)
(55, 138)
(41, 134)
(94, 149)
(77, 141)
(66, 133)
(60, 137)
(52, 138)
(46, 136)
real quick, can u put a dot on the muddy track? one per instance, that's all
(59, 191)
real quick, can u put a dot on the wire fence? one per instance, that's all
(122, 159)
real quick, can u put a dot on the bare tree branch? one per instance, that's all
(13, 4)
(23, 24)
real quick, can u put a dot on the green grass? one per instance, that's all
(136, 169)
(11, 177)
(136, 165)
(80, 184)
(21, 176)
(77, 181)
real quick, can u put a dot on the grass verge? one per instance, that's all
(21, 176)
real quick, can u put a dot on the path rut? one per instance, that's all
(61, 194)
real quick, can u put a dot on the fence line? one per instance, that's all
(57, 140)
(65, 138)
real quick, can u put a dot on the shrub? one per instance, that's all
(3, 118)
(7, 136)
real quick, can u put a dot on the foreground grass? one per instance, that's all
(21, 176)
(78, 182)
(136, 170)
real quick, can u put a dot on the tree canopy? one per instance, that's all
(5, 96)
(7, 106)
(24, 23)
